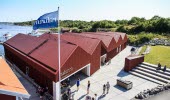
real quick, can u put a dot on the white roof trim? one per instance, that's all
(17, 94)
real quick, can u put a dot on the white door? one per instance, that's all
(103, 59)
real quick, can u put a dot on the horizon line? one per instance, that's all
(85, 20)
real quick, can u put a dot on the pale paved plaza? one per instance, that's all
(111, 73)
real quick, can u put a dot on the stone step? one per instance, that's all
(154, 69)
(155, 72)
(151, 76)
(145, 77)
(154, 66)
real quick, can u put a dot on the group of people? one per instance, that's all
(159, 67)
(92, 98)
(65, 83)
(70, 96)
(78, 84)
(42, 91)
(106, 88)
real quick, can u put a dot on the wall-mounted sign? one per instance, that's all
(66, 71)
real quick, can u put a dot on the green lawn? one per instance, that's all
(159, 54)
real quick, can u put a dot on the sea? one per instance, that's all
(12, 30)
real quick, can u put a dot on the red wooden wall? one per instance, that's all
(132, 61)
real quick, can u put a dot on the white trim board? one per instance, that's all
(17, 94)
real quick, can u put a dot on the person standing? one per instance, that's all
(159, 66)
(88, 87)
(108, 87)
(164, 69)
(41, 93)
(46, 89)
(68, 82)
(78, 83)
(69, 93)
(104, 88)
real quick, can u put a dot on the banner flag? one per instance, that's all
(48, 20)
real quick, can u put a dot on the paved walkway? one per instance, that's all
(28, 86)
(138, 50)
(111, 73)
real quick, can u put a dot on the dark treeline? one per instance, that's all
(135, 25)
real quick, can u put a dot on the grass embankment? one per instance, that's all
(143, 49)
(159, 54)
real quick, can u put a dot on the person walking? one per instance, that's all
(78, 83)
(104, 88)
(108, 87)
(88, 87)
(95, 97)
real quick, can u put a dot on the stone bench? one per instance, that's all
(125, 84)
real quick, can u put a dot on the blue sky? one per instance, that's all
(24, 10)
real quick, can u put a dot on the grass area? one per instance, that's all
(159, 54)
(143, 49)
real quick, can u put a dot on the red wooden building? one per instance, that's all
(38, 56)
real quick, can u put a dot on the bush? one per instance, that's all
(122, 29)
(142, 38)
(76, 30)
(55, 30)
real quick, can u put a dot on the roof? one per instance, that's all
(42, 49)
(123, 35)
(105, 39)
(48, 53)
(9, 83)
(114, 35)
(108, 41)
(25, 43)
(88, 44)
(48, 36)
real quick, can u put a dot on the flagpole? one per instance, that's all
(59, 65)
